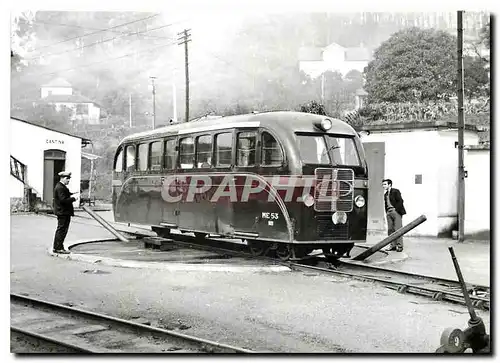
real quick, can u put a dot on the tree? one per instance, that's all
(476, 79)
(45, 115)
(413, 64)
(313, 107)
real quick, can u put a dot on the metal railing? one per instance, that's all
(18, 169)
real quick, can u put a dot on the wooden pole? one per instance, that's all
(461, 124)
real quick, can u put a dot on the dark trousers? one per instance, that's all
(394, 222)
(61, 231)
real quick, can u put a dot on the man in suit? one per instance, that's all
(63, 209)
(394, 210)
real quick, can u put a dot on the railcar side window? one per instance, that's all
(204, 151)
(246, 148)
(130, 158)
(142, 157)
(155, 155)
(271, 151)
(119, 161)
(186, 153)
(170, 154)
(223, 149)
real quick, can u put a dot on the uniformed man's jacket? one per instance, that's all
(63, 201)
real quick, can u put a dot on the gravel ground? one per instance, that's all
(279, 312)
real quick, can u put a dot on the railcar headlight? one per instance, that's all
(326, 124)
(339, 217)
(308, 200)
(359, 201)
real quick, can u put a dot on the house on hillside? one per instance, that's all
(315, 61)
(60, 93)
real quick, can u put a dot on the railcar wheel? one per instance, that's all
(284, 252)
(162, 232)
(301, 251)
(337, 251)
(200, 236)
(256, 248)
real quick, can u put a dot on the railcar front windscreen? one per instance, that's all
(329, 150)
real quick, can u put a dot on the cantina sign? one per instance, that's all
(51, 141)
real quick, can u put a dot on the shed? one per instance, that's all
(421, 159)
(37, 155)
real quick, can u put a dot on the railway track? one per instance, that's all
(428, 286)
(436, 288)
(75, 330)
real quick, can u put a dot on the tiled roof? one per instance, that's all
(58, 82)
(75, 98)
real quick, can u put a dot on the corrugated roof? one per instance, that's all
(58, 82)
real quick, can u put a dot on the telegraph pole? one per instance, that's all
(154, 100)
(174, 101)
(130, 109)
(184, 37)
(461, 126)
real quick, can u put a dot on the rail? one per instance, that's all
(92, 332)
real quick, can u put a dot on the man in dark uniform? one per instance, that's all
(63, 209)
(394, 210)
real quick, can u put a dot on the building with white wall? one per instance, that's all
(41, 153)
(422, 161)
(60, 93)
(478, 200)
(334, 57)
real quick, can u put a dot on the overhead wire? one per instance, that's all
(99, 31)
(102, 61)
(103, 41)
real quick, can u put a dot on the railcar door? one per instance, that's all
(246, 164)
(224, 160)
(170, 185)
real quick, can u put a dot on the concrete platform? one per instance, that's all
(112, 252)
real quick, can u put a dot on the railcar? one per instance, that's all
(287, 182)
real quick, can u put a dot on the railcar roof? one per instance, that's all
(295, 121)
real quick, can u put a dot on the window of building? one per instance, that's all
(155, 155)
(186, 153)
(223, 149)
(82, 108)
(271, 150)
(246, 149)
(119, 161)
(142, 157)
(204, 151)
(130, 158)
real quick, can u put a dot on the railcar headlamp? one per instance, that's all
(326, 124)
(359, 201)
(339, 217)
(308, 200)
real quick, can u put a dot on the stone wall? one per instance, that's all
(17, 205)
